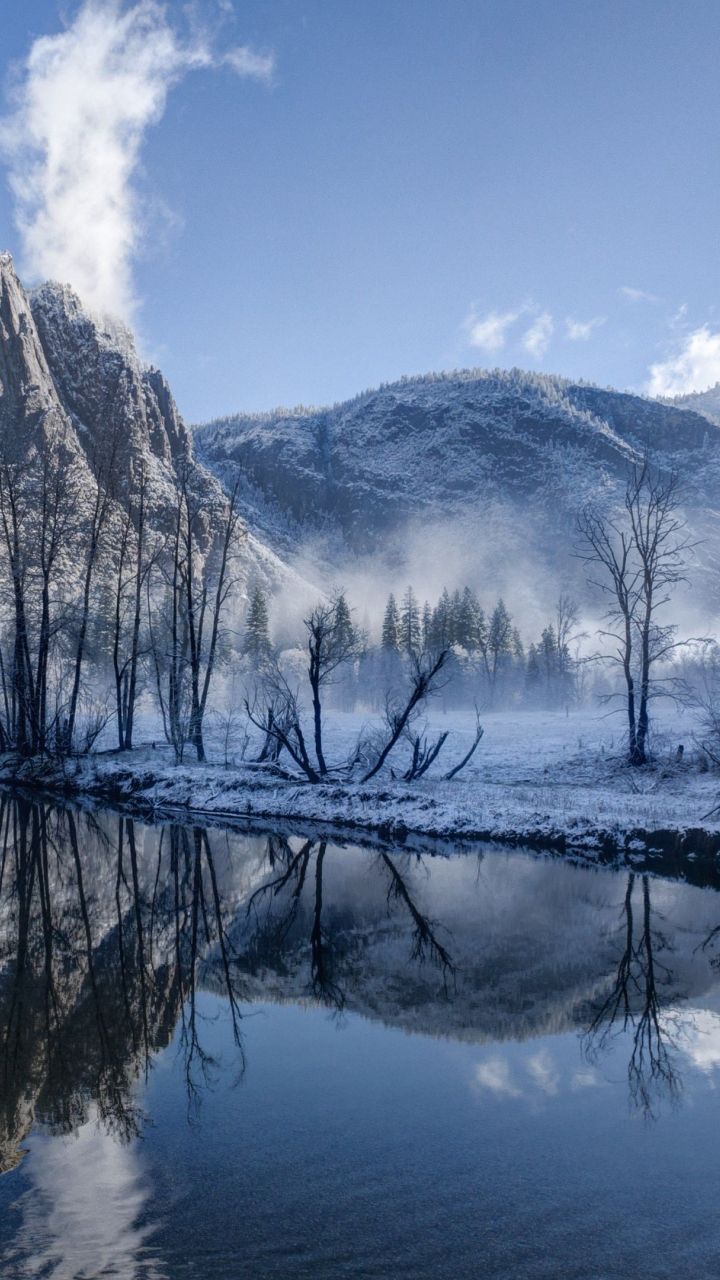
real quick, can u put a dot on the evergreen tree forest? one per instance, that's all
(491, 663)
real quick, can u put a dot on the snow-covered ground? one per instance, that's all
(537, 777)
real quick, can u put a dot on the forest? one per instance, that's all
(120, 602)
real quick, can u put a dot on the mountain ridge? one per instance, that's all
(446, 447)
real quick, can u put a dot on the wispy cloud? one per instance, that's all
(543, 1072)
(637, 295)
(245, 62)
(694, 367)
(489, 332)
(494, 1075)
(536, 339)
(581, 330)
(83, 102)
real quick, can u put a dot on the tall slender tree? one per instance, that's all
(391, 626)
(410, 633)
(256, 641)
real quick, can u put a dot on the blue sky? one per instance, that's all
(393, 186)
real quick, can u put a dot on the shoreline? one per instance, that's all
(387, 813)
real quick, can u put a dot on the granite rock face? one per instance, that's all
(30, 408)
(104, 389)
(71, 377)
(62, 372)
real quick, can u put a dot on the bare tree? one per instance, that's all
(40, 536)
(479, 733)
(333, 642)
(132, 567)
(567, 615)
(275, 710)
(634, 559)
(168, 639)
(92, 524)
(425, 679)
(205, 599)
(424, 752)
(198, 581)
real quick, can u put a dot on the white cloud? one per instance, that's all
(637, 295)
(581, 330)
(701, 1039)
(537, 338)
(585, 1078)
(490, 332)
(494, 1075)
(245, 62)
(88, 1210)
(83, 103)
(695, 367)
(542, 1071)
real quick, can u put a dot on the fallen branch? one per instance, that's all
(479, 731)
(424, 681)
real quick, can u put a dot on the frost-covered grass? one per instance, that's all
(543, 777)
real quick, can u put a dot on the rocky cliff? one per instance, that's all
(66, 376)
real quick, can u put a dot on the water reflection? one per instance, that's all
(634, 1004)
(85, 1213)
(277, 925)
(109, 930)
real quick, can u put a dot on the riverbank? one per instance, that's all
(584, 802)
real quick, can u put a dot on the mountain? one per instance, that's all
(468, 476)
(504, 458)
(104, 390)
(30, 408)
(66, 375)
(704, 402)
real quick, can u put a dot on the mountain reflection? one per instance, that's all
(110, 929)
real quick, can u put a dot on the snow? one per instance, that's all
(537, 778)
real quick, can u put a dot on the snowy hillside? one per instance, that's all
(449, 446)
(705, 402)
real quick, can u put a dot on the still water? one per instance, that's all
(230, 1055)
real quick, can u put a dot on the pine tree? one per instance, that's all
(391, 626)
(410, 622)
(481, 632)
(499, 640)
(344, 629)
(533, 673)
(454, 617)
(256, 643)
(427, 627)
(549, 654)
(442, 622)
(470, 621)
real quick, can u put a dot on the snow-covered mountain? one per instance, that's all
(65, 375)
(704, 402)
(450, 446)
(481, 472)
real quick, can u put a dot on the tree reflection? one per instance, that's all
(113, 935)
(634, 1006)
(94, 978)
(110, 932)
(282, 919)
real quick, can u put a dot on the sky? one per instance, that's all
(293, 200)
